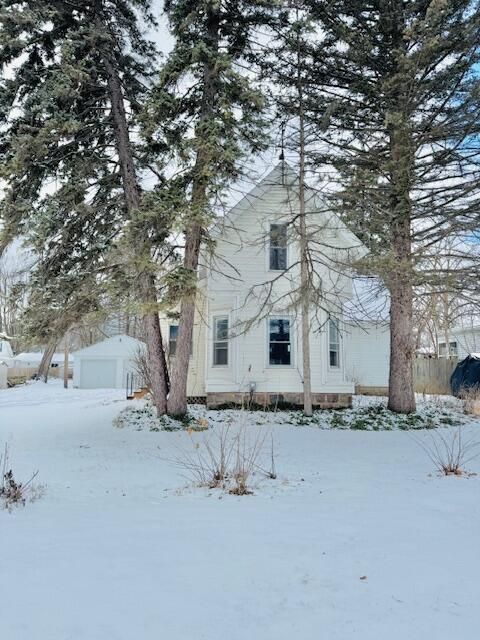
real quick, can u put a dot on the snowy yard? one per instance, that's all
(358, 537)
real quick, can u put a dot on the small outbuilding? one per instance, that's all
(106, 364)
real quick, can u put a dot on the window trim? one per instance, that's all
(291, 342)
(215, 319)
(336, 322)
(287, 252)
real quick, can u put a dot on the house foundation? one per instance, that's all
(218, 400)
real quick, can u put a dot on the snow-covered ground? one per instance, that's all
(358, 537)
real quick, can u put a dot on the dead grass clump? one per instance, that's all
(471, 400)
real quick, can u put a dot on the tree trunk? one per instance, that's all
(399, 274)
(177, 400)
(46, 361)
(401, 397)
(146, 280)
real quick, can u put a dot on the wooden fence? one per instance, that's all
(433, 375)
(15, 373)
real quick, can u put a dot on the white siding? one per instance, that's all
(249, 363)
(369, 350)
(467, 339)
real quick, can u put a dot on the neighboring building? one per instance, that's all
(462, 342)
(32, 359)
(245, 348)
(26, 364)
(3, 374)
(106, 364)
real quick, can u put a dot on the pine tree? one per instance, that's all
(400, 89)
(209, 115)
(72, 170)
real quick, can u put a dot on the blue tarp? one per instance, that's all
(466, 375)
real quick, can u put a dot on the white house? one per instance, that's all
(107, 363)
(247, 333)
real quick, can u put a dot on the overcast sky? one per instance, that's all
(162, 37)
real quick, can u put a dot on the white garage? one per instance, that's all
(105, 365)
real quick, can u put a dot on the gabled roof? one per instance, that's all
(116, 346)
(284, 174)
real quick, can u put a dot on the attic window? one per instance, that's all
(278, 247)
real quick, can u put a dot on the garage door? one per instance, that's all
(98, 374)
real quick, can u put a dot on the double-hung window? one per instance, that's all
(333, 343)
(279, 341)
(220, 341)
(172, 339)
(278, 247)
(453, 349)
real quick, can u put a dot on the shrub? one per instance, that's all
(377, 417)
(450, 452)
(228, 460)
(143, 416)
(13, 492)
